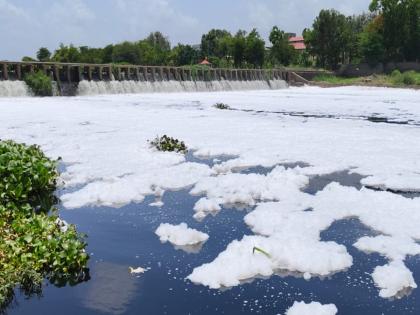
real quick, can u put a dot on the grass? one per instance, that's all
(396, 79)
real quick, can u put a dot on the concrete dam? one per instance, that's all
(70, 79)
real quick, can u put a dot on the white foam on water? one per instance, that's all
(313, 308)
(137, 87)
(14, 89)
(180, 235)
(103, 143)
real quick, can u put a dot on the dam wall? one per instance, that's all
(76, 78)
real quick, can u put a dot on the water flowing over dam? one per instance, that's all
(128, 87)
(90, 79)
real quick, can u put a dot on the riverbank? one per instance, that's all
(409, 80)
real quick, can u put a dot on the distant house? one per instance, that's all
(205, 62)
(298, 43)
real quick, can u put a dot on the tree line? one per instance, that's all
(390, 31)
(220, 47)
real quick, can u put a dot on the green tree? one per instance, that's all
(327, 41)
(107, 53)
(126, 52)
(356, 25)
(238, 48)
(43, 54)
(255, 49)
(28, 59)
(401, 28)
(158, 41)
(281, 51)
(214, 43)
(91, 55)
(183, 55)
(66, 54)
(372, 42)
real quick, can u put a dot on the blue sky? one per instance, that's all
(26, 25)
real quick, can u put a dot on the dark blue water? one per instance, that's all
(119, 238)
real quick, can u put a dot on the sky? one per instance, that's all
(26, 25)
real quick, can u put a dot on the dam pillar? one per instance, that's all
(119, 73)
(138, 74)
(19, 71)
(145, 74)
(56, 72)
(89, 73)
(100, 73)
(177, 75)
(153, 74)
(67, 73)
(5, 71)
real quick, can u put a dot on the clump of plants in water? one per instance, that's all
(221, 106)
(39, 83)
(169, 144)
(34, 244)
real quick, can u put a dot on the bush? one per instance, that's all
(409, 78)
(168, 144)
(221, 106)
(39, 83)
(396, 73)
(34, 244)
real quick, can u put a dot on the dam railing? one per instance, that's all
(76, 72)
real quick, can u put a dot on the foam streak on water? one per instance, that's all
(128, 87)
(13, 89)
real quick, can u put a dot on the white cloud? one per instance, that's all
(8, 9)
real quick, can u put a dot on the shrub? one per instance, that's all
(409, 78)
(221, 106)
(39, 83)
(168, 144)
(35, 243)
(395, 73)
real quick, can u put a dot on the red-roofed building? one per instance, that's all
(205, 62)
(297, 42)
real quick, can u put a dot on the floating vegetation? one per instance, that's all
(221, 106)
(257, 249)
(169, 144)
(35, 243)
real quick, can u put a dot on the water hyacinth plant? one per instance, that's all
(169, 144)
(35, 244)
(221, 106)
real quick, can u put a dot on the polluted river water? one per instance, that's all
(330, 196)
